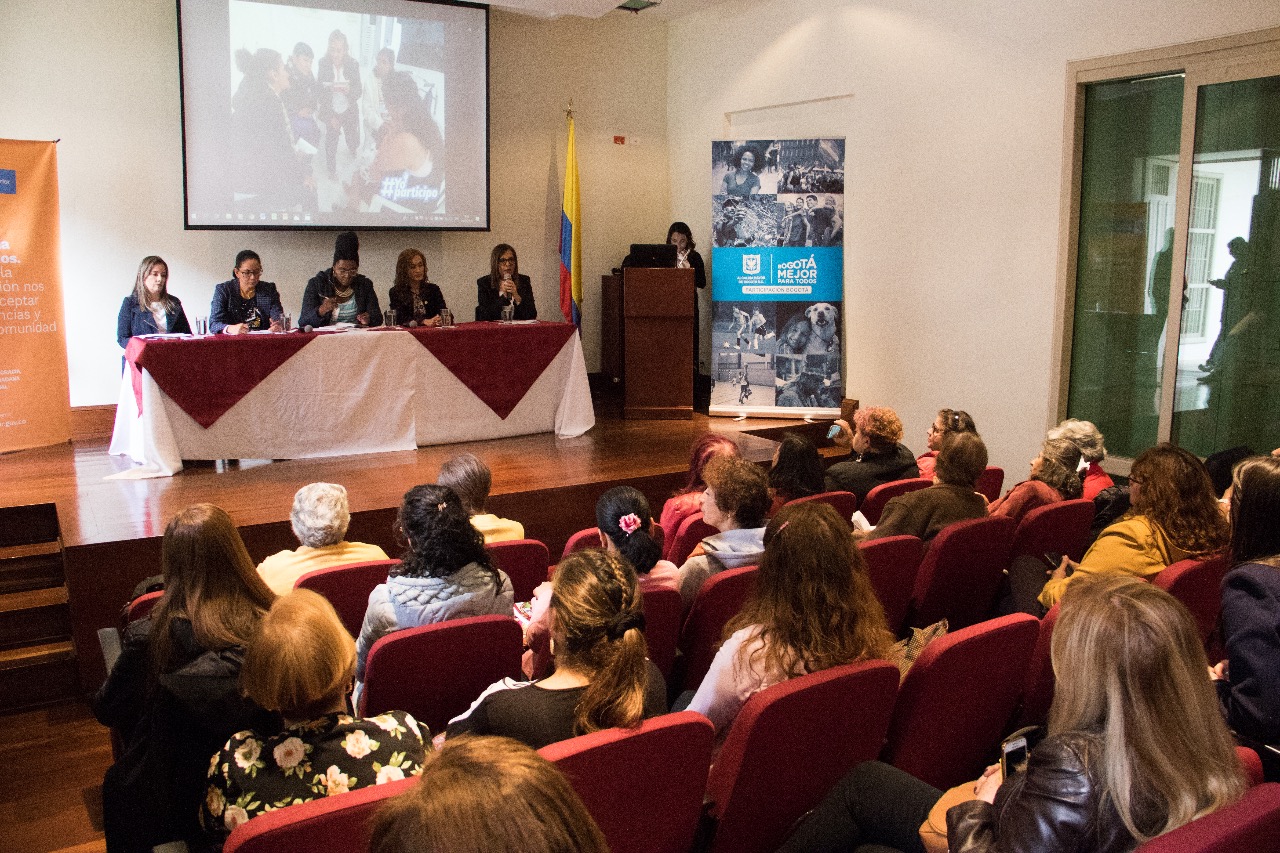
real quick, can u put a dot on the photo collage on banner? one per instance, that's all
(777, 277)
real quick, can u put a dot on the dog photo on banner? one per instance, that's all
(777, 276)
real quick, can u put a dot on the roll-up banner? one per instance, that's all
(777, 277)
(35, 408)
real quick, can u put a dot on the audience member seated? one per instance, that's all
(1135, 748)
(504, 286)
(1053, 480)
(319, 519)
(302, 664)
(734, 502)
(877, 457)
(1248, 681)
(624, 521)
(813, 608)
(602, 677)
(1222, 467)
(797, 471)
(470, 479)
(173, 695)
(1174, 516)
(445, 574)
(1086, 436)
(948, 421)
(688, 500)
(416, 301)
(150, 308)
(487, 795)
(951, 498)
(340, 294)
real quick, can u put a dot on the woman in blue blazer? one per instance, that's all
(150, 309)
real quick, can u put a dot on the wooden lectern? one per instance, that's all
(657, 317)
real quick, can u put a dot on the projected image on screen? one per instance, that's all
(302, 116)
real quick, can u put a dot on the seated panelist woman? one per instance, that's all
(149, 309)
(412, 297)
(246, 303)
(340, 294)
(504, 286)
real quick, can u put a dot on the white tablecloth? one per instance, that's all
(347, 393)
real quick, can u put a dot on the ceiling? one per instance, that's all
(598, 8)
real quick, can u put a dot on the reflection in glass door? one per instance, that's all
(1228, 368)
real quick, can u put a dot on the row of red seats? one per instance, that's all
(787, 747)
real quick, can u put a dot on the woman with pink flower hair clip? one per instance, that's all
(625, 521)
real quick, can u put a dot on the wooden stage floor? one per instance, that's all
(54, 758)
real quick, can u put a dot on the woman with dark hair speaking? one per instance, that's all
(1135, 748)
(503, 286)
(340, 294)
(1248, 681)
(446, 573)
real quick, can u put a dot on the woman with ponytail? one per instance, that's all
(624, 521)
(603, 678)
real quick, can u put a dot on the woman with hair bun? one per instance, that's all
(624, 521)
(340, 294)
(603, 678)
(948, 421)
(1053, 480)
(446, 573)
(302, 665)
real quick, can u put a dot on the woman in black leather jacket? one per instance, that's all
(1135, 748)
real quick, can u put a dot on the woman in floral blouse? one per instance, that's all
(303, 665)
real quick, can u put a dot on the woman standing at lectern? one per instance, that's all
(687, 257)
(504, 285)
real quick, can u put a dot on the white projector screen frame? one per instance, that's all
(387, 128)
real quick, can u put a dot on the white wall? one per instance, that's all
(103, 77)
(954, 121)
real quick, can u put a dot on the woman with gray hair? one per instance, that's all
(319, 518)
(1086, 436)
(1053, 479)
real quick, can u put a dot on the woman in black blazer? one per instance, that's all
(504, 285)
(150, 309)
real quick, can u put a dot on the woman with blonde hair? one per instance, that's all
(150, 308)
(1248, 681)
(1135, 746)
(1174, 516)
(487, 795)
(173, 695)
(602, 676)
(813, 608)
(302, 664)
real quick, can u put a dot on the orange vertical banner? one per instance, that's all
(35, 405)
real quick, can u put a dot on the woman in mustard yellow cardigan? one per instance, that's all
(1174, 516)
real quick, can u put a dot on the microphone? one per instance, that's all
(308, 329)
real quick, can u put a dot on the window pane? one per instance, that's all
(1129, 179)
(1228, 390)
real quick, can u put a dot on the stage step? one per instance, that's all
(37, 655)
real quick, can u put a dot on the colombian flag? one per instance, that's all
(571, 239)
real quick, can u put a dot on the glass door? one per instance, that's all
(1227, 373)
